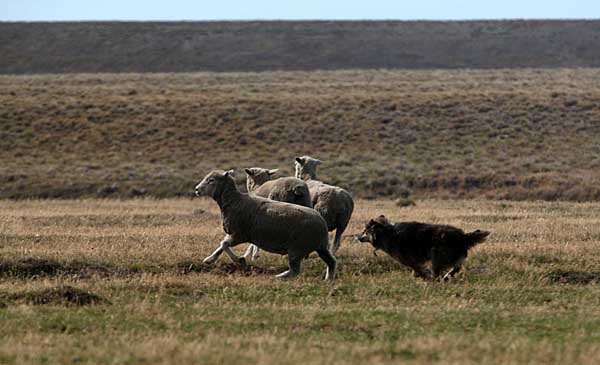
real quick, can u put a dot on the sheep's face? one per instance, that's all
(306, 167)
(256, 176)
(212, 183)
(374, 228)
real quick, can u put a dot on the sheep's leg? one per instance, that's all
(294, 263)
(223, 246)
(326, 256)
(248, 254)
(255, 252)
(235, 258)
(337, 241)
(251, 253)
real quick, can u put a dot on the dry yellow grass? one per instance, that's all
(529, 294)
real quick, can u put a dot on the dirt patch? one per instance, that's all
(62, 295)
(574, 277)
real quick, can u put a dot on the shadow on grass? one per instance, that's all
(31, 267)
(186, 267)
(574, 277)
(62, 295)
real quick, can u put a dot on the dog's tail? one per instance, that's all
(476, 237)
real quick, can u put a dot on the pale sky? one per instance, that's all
(53, 10)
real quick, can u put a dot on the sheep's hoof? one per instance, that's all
(209, 260)
(284, 275)
(242, 262)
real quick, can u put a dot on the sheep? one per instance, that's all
(284, 189)
(333, 203)
(273, 226)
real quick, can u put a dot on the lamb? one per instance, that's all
(273, 226)
(333, 203)
(284, 189)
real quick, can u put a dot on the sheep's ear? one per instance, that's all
(271, 172)
(249, 172)
(299, 160)
(228, 173)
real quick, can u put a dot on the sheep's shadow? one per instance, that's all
(574, 277)
(32, 267)
(225, 269)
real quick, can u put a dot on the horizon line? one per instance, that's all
(289, 20)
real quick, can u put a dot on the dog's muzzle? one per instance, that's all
(361, 238)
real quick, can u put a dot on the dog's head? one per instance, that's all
(374, 228)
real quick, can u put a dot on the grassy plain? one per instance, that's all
(529, 294)
(509, 134)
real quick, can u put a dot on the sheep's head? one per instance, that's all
(213, 184)
(373, 228)
(306, 167)
(256, 176)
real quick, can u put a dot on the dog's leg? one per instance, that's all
(442, 258)
(419, 271)
(455, 270)
(450, 273)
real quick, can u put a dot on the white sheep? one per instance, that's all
(285, 189)
(333, 203)
(273, 226)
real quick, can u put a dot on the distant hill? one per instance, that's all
(504, 134)
(31, 48)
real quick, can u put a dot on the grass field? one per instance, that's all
(529, 294)
(508, 134)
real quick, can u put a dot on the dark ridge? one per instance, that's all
(115, 47)
(186, 267)
(574, 277)
(62, 295)
(41, 267)
(31, 268)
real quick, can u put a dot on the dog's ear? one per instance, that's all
(382, 220)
